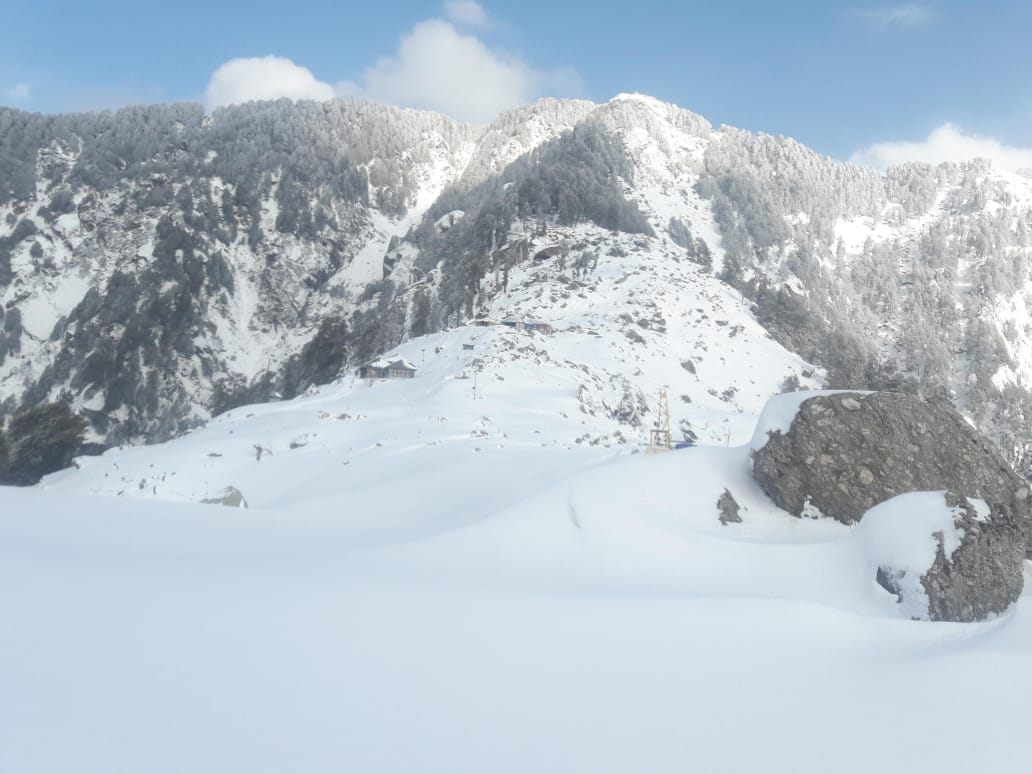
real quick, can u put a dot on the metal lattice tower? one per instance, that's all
(659, 436)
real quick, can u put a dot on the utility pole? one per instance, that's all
(659, 436)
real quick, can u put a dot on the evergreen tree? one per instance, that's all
(40, 440)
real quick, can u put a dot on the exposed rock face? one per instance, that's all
(847, 452)
(728, 508)
(968, 561)
(231, 497)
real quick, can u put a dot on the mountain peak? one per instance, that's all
(645, 99)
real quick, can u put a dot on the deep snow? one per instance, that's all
(428, 582)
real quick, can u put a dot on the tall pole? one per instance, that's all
(659, 438)
(665, 417)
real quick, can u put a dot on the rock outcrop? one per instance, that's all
(231, 497)
(728, 509)
(946, 557)
(846, 452)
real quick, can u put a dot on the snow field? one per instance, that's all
(459, 601)
(474, 571)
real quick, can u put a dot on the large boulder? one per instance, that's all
(840, 454)
(945, 557)
(231, 497)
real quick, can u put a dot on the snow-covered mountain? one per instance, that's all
(156, 255)
(158, 265)
(628, 331)
(477, 569)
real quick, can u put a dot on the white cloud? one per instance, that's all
(900, 15)
(20, 92)
(467, 13)
(438, 68)
(947, 143)
(267, 77)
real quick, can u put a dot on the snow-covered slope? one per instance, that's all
(517, 132)
(640, 322)
(164, 265)
(230, 245)
(480, 568)
(428, 581)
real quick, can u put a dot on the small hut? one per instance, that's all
(387, 369)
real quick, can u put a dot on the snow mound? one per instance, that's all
(899, 538)
(439, 566)
(781, 410)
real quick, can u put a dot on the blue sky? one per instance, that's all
(838, 76)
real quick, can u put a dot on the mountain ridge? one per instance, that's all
(249, 231)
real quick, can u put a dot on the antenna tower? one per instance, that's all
(659, 436)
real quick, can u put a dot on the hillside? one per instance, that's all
(630, 327)
(479, 568)
(159, 266)
(424, 580)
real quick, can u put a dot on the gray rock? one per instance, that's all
(728, 508)
(230, 497)
(981, 577)
(848, 452)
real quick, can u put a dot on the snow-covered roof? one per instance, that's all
(382, 362)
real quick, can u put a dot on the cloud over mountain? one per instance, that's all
(437, 67)
(256, 78)
(946, 143)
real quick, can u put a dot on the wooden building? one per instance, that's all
(387, 369)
